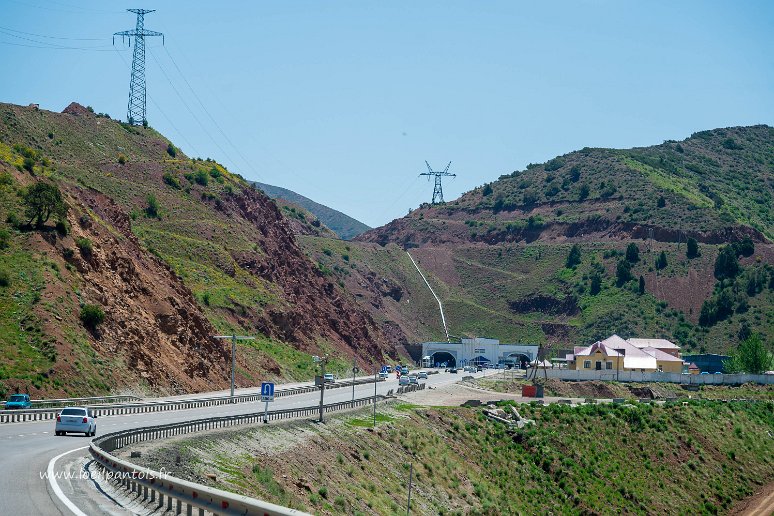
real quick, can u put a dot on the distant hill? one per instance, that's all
(343, 225)
(497, 255)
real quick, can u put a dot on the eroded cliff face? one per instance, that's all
(151, 275)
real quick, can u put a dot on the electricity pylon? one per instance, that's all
(136, 109)
(438, 189)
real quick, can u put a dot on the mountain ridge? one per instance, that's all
(340, 223)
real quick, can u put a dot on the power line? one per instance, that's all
(217, 126)
(188, 108)
(51, 37)
(171, 123)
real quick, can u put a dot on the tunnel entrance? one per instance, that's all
(443, 357)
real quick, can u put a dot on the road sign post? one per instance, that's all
(267, 395)
(234, 339)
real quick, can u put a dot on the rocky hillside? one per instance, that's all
(155, 253)
(716, 186)
(498, 255)
(343, 225)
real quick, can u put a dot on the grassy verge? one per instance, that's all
(603, 459)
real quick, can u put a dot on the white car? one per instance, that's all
(384, 375)
(422, 375)
(329, 378)
(76, 419)
(403, 380)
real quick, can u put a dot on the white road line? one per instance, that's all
(57, 490)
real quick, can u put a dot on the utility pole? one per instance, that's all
(136, 109)
(354, 372)
(322, 361)
(234, 339)
(438, 175)
(411, 477)
(375, 382)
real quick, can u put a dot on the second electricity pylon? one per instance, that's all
(136, 110)
(438, 189)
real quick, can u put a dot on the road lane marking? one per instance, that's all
(57, 490)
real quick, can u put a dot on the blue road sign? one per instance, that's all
(267, 391)
(384, 368)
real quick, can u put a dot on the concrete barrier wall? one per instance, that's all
(636, 376)
(15, 416)
(173, 494)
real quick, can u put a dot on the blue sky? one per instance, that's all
(343, 101)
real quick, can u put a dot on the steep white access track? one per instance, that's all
(440, 305)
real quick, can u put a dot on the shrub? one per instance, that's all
(530, 197)
(153, 208)
(554, 164)
(731, 144)
(661, 202)
(583, 193)
(726, 264)
(84, 245)
(215, 173)
(62, 227)
(28, 164)
(596, 284)
(693, 249)
(575, 173)
(171, 150)
(121, 159)
(623, 272)
(13, 220)
(5, 238)
(744, 248)
(487, 190)
(316, 223)
(202, 177)
(43, 200)
(171, 180)
(661, 261)
(641, 289)
(632, 253)
(574, 258)
(5, 278)
(92, 316)
(323, 491)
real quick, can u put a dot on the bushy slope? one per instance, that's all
(594, 459)
(497, 254)
(180, 249)
(343, 225)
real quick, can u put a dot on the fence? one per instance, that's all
(14, 416)
(161, 489)
(637, 376)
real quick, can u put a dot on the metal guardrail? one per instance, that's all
(172, 492)
(14, 416)
(69, 402)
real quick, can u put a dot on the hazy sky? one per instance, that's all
(342, 101)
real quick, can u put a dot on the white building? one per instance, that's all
(476, 351)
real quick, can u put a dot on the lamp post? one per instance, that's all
(234, 339)
(322, 361)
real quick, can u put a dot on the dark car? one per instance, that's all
(18, 402)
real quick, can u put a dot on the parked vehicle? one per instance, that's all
(403, 380)
(404, 370)
(413, 379)
(76, 419)
(329, 378)
(422, 375)
(384, 374)
(453, 370)
(18, 402)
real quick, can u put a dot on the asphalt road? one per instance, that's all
(26, 449)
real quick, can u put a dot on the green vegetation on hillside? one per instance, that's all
(697, 458)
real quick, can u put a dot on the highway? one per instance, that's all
(27, 449)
